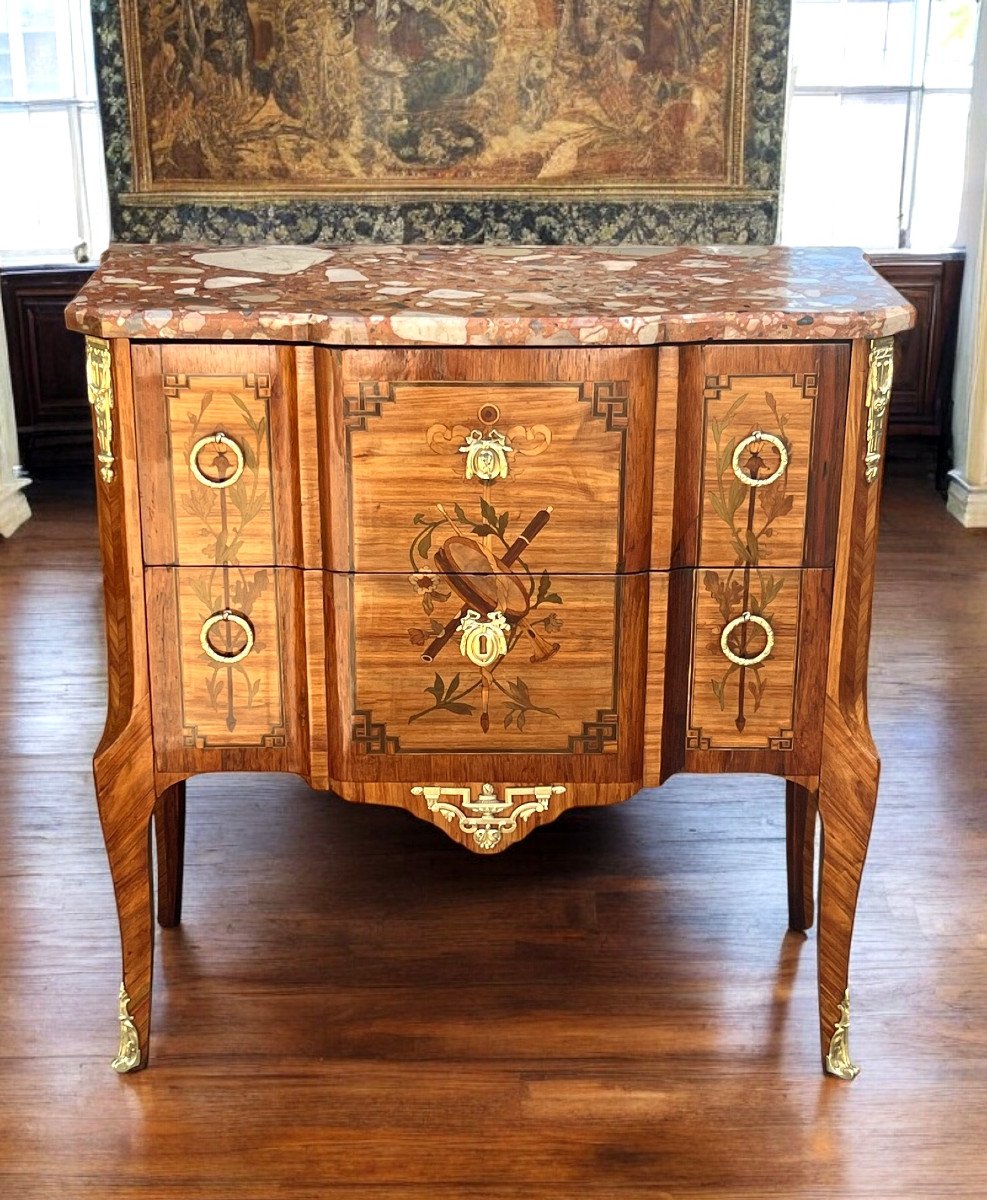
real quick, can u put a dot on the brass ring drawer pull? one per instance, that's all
(221, 656)
(752, 439)
(747, 619)
(221, 439)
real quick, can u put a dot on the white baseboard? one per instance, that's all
(14, 509)
(967, 502)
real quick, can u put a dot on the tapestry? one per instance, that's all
(521, 120)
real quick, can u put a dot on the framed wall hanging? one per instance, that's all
(407, 120)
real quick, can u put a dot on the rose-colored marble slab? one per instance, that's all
(487, 295)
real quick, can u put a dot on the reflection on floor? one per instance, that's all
(355, 1006)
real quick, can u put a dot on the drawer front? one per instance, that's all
(236, 703)
(426, 442)
(427, 687)
(758, 670)
(772, 448)
(217, 454)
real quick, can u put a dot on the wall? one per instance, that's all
(967, 499)
(428, 120)
(14, 509)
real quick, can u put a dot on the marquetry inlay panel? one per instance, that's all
(745, 520)
(412, 690)
(411, 451)
(221, 524)
(222, 455)
(239, 705)
(219, 704)
(734, 706)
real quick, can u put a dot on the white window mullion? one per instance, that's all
(909, 173)
(908, 168)
(86, 51)
(79, 171)
(923, 18)
(83, 66)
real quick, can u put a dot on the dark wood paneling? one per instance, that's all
(47, 368)
(924, 355)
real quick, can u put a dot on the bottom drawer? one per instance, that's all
(757, 677)
(227, 661)
(561, 698)
(736, 680)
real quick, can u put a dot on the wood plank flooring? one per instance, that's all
(356, 1007)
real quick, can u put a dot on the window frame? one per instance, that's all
(77, 99)
(914, 93)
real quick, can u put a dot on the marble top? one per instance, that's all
(486, 295)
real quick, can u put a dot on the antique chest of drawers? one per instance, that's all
(487, 533)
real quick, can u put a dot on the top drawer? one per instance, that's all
(217, 449)
(501, 444)
(772, 418)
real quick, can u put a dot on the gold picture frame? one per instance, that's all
(254, 101)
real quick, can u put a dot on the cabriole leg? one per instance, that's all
(847, 797)
(850, 767)
(801, 804)
(125, 794)
(169, 832)
(123, 766)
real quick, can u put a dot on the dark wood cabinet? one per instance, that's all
(47, 368)
(923, 375)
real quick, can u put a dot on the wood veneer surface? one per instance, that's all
(353, 1004)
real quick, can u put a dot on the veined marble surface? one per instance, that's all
(487, 295)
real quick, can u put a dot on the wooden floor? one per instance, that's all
(355, 1006)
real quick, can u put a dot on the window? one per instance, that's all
(54, 196)
(877, 121)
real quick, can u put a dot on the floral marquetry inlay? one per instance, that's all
(231, 677)
(492, 624)
(553, 690)
(743, 690)
(470, 446)
(501, 603)
(219, 432)
(756, 468)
